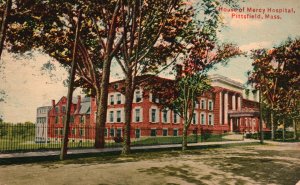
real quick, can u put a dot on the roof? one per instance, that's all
(226, 80)
(85, 107)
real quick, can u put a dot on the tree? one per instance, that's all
(276, 75)
(201, 55)
(150, 28)
(3, 23)
(52, 32)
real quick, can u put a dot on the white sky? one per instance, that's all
(27, 88)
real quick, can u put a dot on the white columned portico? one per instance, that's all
(226, 108)
(233, 102)
(221, 108)
(239, 103)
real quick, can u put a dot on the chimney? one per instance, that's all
(78, 103)
(53, 103)
(178, 69)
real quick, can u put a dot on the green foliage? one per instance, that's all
(275, 73)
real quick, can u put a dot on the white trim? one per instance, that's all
(203, 113)
(156, 114)
(205, 102)
(168, 116)
(226, 108)
(233, 102)
(140, 93)
(212, 105)
(177, 117)
(134, 114)
(196, 118)
(212, 119)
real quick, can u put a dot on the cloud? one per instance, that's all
(256, 45)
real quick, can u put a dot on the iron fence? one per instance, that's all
(30, 137)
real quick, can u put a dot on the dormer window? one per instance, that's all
(138, 96)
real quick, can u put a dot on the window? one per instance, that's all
(175, 117)
(210, 105)
(196, 104)
(153, 132)
(119, 132)
(137, 115)
(116, 86)
(112, 132)
(61, 132)
(153, 115)
(118, 116)
(64, 109)
(112, 101)
(138, 96)
(194, 118)
(64, 119)
(137, 133)
(165, 116)
(118, 98)
(82, 119)
(106, 132)
(72, 119)
(111, 116)
(165, 132)
(202, 104)
(56, 109)
(56, 119)
(175, 132)
(56, 132)
(81, 132)
(210, 119)
(73, 131)
(202, 119)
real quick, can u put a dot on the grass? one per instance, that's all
(15, 144)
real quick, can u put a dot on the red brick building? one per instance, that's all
(222, 110)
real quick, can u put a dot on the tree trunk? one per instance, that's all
(295, 129)
(129, 91)
(272, 127)
(283, 132)
(64, 146)
(184, 138)
(4, 24)
(102, 105)
(260, 118)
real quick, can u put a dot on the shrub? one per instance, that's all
(118, 139)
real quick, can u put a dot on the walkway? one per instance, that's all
(106, 150)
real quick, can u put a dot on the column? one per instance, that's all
(233, 103)
(226, 108)
(231, 124)
(221, 109)
(239, 103)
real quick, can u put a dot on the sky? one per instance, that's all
(28, 87)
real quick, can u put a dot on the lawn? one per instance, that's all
(23, 144)
(231, 164)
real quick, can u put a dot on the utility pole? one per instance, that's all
(4, 24)
(64, 147)
(260, 118)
